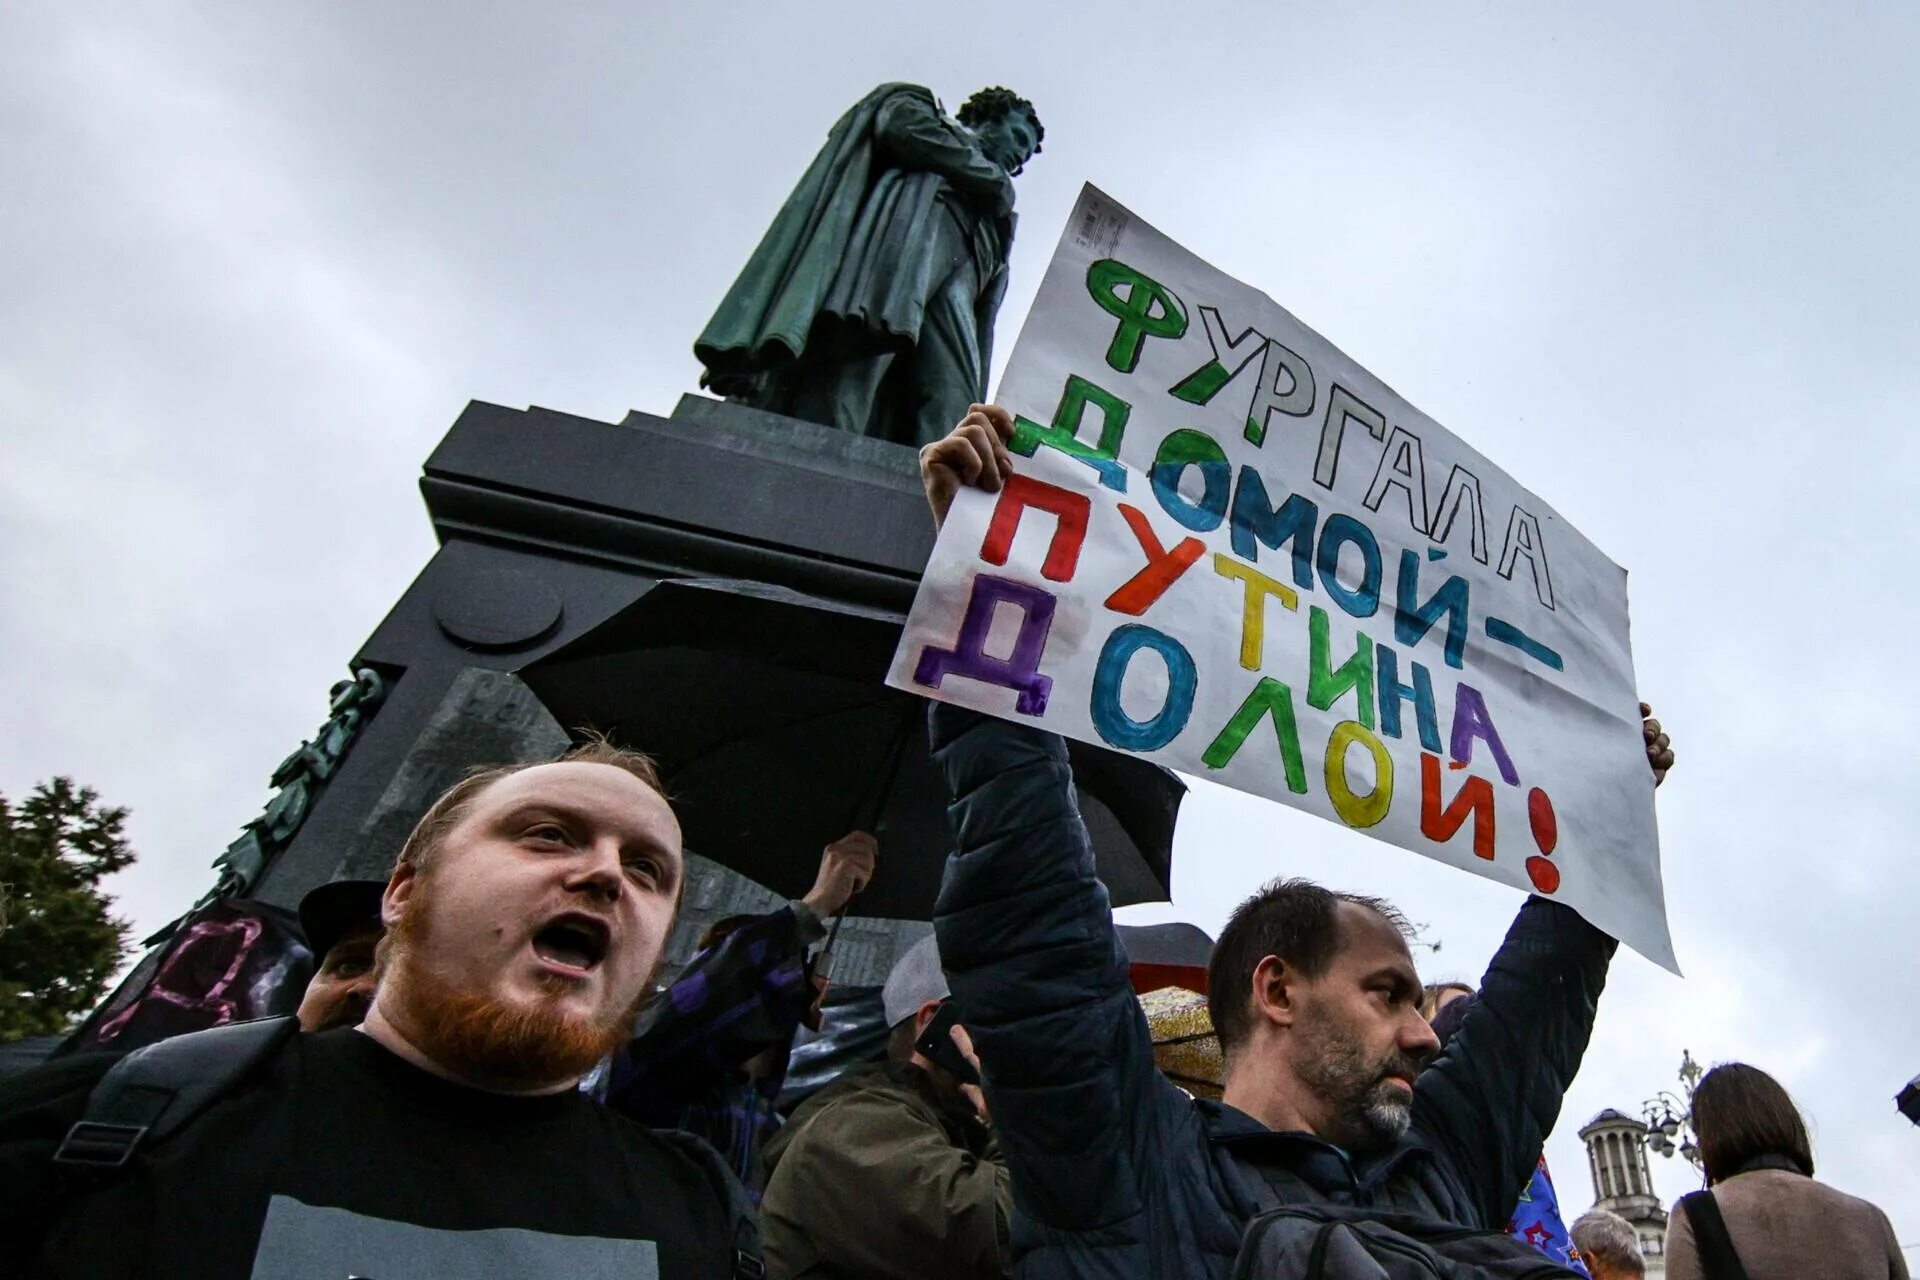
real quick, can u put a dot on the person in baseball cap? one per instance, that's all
(342, 922)
(891, 1169)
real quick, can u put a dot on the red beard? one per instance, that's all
(476, 1037)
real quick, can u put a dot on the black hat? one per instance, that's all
(335, 909)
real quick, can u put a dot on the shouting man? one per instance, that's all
(446, 1134)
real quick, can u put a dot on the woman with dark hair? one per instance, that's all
(1764, 1217)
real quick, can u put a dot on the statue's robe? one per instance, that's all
(897, 214)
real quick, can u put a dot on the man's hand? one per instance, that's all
(845, 868)
(1659, 746)
(975, 452)
(973, 1093)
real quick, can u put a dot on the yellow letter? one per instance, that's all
(1358, 811)
(1253, 621)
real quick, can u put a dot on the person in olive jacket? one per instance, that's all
(1329, 1098)
(891, 1172)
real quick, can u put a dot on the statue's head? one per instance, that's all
(1008, 127)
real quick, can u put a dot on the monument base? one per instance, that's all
(550, 525)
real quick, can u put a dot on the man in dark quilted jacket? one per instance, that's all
(1118, 1173)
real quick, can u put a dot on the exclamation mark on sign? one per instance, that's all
(1546, 834)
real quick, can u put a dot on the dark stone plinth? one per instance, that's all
(550, 524)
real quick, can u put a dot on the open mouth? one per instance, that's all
(577, 942)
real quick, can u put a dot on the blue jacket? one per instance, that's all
(1116, 1172)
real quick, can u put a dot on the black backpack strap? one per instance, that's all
(747, 1264)
(1718, 1261)
(155, 1090)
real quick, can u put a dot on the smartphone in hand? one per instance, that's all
(936, 1044)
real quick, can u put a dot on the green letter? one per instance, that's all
(1134, 309)
(1063, 435)
(1268, 697)
(1324, 684)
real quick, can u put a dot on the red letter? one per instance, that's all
(1138, 592)
(1474, 798)
(1063, 553)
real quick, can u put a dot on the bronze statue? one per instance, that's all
(869, 304)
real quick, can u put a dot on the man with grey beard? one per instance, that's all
(1328, 1121)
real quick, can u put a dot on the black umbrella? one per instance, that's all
(769, 715)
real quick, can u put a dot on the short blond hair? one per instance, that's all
(431, 832)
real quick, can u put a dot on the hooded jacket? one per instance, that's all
(880, 1177)
(1116, 1172)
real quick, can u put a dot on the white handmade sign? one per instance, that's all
(1230, 549)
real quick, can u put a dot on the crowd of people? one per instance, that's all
(485, 1080)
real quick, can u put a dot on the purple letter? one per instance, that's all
(969, 657)
(1470, 721)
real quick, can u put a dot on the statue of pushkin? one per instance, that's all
(869, 304)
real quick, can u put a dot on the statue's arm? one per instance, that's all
(912, 131)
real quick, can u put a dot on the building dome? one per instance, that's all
(1622, 1182)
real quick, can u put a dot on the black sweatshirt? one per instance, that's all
(337, 1159)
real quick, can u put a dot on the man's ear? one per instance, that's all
(923, 1016)
(1275, 994)
(400, 887)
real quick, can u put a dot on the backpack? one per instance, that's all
(1339, 1242)
(159, 1088)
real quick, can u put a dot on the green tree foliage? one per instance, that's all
(58, 943)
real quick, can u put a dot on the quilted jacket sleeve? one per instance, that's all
(1031, 954)
(1488, 1104)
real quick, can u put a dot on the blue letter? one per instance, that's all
(1392, 693)
(1363, 601)
(1111, 719)
(1255, 518)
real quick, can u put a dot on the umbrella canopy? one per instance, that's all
(1174, 954)
(776, 734)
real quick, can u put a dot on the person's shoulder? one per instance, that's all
(883, 1094)
(685, 1156)
(663, 1151)
(1764, 1191)
(669, 1158)
(876, 1084)
(52, 1089)
(894, 94)
(1841, 1203)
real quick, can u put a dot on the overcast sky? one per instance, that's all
(1657, 261)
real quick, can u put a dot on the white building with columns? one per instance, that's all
(1622, 1183)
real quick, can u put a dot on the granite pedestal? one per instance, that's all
(549, 525)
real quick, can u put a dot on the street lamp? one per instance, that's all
(1669, 1116)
